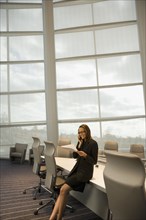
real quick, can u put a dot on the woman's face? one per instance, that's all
(81, 134)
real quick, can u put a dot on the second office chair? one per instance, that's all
(39, 167)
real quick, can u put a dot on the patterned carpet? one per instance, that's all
(14, 205)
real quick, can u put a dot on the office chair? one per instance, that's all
(64, 148)
(53, 181)
(124, 177)
(138, 149)
(39, 167)
(18, 152)
(111, 145)
(64, 141)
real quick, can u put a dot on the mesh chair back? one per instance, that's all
(37, 151)
(50, 165)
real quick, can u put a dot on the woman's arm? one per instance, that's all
(90, 153)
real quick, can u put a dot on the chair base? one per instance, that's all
(37, 190)
(52, 200)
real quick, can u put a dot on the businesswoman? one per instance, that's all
(86, 154)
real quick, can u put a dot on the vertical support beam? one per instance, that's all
(50, 71)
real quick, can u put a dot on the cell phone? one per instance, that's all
(79, 137)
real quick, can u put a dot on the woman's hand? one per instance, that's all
(82, 153)
(80, 141)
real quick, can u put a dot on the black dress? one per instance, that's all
(83, 169)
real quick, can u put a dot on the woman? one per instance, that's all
(86, 154)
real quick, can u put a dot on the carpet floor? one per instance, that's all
(14, 205)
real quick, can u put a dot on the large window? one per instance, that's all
(96, 72)
(99, 72)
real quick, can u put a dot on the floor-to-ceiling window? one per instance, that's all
(23, 111)
(99, 72)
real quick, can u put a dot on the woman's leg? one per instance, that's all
(60, 203)
(63, 196)
(55, 210)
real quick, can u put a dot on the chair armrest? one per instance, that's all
(59, 169)
(12, 149)
(23, 156)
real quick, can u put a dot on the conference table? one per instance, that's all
(94, 196)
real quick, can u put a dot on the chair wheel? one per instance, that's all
(40, 203)
(24, 192)
(35, 212)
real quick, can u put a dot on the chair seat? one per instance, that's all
(16, 154)
(59, 181)
(42, 168)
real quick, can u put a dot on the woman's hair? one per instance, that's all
(87, 131)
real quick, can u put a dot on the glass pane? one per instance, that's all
(120, 39)
(70, 130)
(77, 104)
(26, 48)
(123, 101)
(5, 136)
(74, 44)
(27, 77)
(3, 109)
(76, 74)
(3, 26)
(3, 46)
(114, 11)
(3, 78)
(126, 132)
(28, 107)
(10, 136)
(72, 16)
(25, 19)
(118, 70)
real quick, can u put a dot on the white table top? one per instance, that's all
(68, 163)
